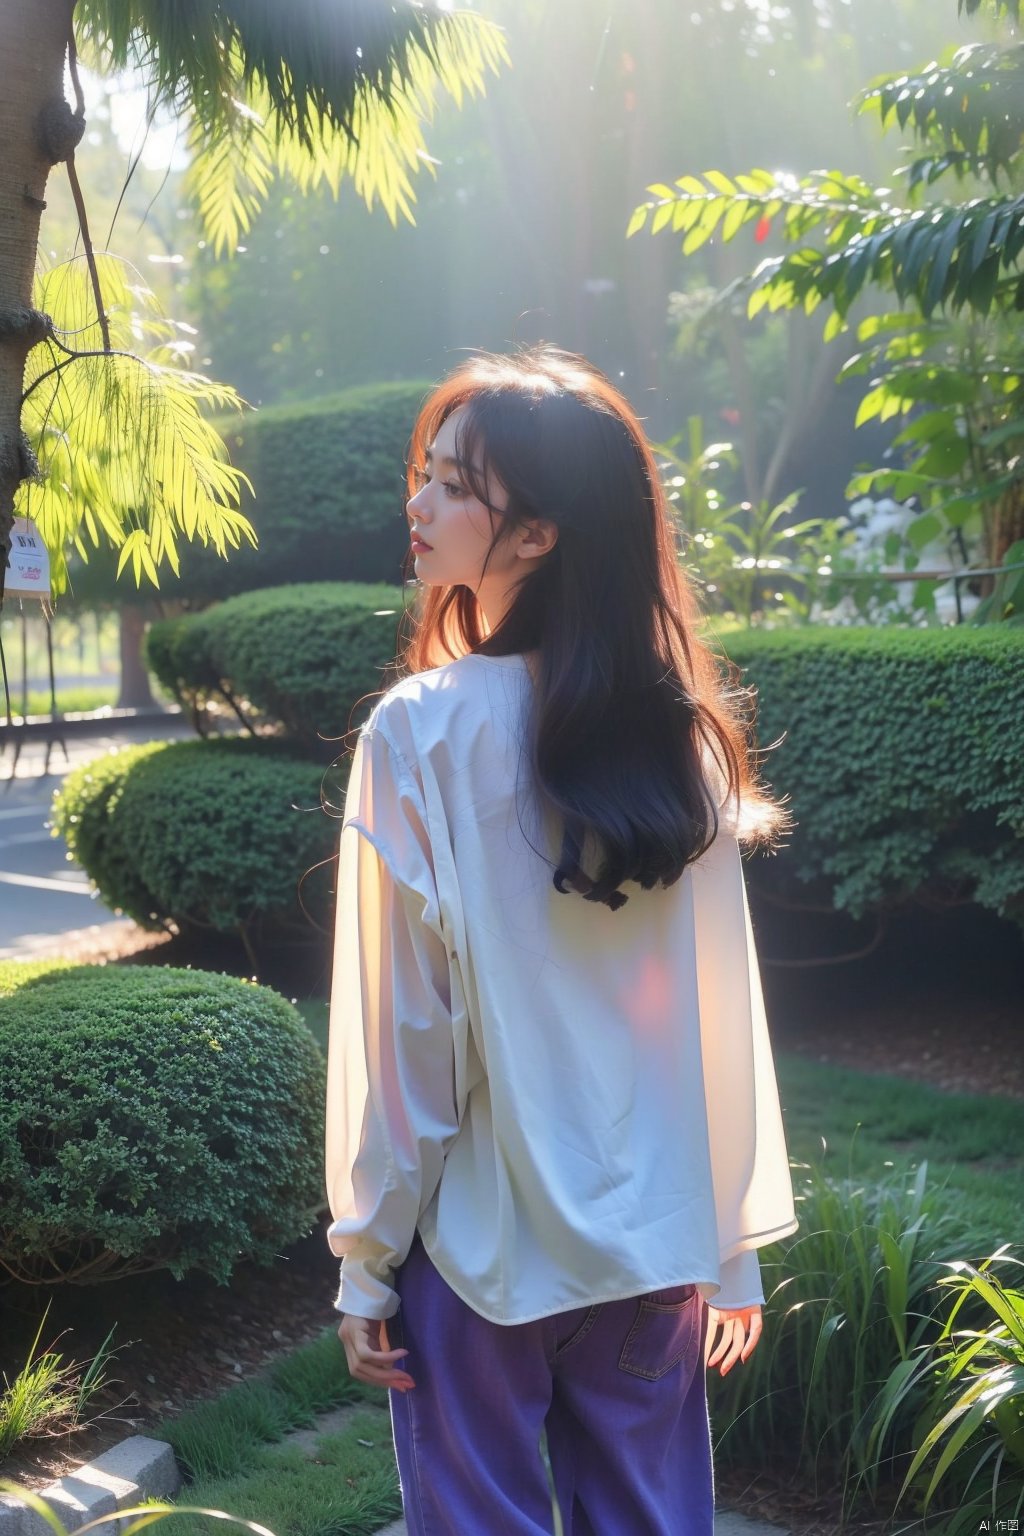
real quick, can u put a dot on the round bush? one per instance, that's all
(303, 655)
(329, 482)
(214, 833)
(177, 653)
(152, 1118)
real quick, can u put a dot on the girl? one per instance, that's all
(554, 1138)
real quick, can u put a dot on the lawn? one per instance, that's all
(234, 1456)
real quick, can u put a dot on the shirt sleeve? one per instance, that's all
(741, 1283)
(751, 1177)
(391, 1103)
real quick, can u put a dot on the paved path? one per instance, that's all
(42, 893)
(726, 1524)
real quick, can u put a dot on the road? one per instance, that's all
(43, 892)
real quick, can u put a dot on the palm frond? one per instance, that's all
(228, 177)
(125, 452)
(380, 147)
(310, 59)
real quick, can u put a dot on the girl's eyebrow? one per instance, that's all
(453, 462)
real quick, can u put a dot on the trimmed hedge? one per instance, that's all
(329, 482)
(150, 1118)
(215, 834)
(302, 655)
(903, 759)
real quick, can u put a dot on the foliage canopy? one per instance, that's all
(941, 261)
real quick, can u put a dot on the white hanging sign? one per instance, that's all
(28, 574)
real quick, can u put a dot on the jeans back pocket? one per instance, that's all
(665, 1329)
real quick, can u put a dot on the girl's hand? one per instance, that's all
(741, 1329)
(369, 1357)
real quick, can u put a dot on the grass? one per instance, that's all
(215, 1438)
(69, 700)
(347, 1486)
(973, 1142)
(232, 1458)
(47, 1393)
(72, 701)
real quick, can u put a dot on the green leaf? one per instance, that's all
(720, 182)
(833, 326)
(996, 436)
(939, 268)
(736, 215)
(945, 456)
(123, 446)
(921, 530)
(662, 216)
(870, 406)
(926, 427)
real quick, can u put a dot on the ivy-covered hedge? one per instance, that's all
(903, 759)
(301, 655)
(152, 1117)
(329, 482)
(215, 834)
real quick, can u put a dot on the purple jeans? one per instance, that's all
(619, 1387)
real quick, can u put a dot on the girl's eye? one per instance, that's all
(453, 489)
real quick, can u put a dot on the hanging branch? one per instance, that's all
(73, 357)
(76, 193)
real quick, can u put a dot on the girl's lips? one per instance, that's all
(419, 544)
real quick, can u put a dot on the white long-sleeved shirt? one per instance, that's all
(571, 1104)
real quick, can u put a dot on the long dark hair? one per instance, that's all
(628, 701)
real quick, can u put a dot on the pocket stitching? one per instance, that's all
(646, 1307)
(581, 1333)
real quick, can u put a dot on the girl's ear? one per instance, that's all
(538, 538)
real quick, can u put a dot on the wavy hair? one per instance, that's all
(629, 703)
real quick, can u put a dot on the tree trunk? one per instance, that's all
(135, 690)
(1005, 524)
(33, 116)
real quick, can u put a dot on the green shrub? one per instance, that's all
(215, 834)
(903, 759)
(304, 655)
(177, 653)
(329, 482)
(152, 1117)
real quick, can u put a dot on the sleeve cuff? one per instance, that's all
(741, 1283)
(364, 1294)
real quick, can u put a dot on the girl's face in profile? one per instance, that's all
(447, 516)
(459, 529)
